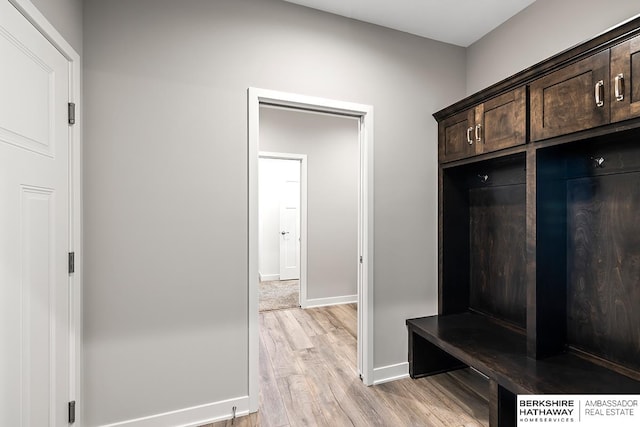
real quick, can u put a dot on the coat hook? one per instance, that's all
(598, 161)
(483, 178)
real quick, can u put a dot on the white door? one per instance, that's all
(290, 228)
(34, 227)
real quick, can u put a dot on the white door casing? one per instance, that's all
(290, 230)
(365, 223)
(39, 199)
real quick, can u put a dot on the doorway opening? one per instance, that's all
(282, 230)
(363, 262)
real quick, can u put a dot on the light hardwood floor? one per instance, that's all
(308, 377)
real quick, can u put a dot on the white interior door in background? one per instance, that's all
(281, 195)
(34, 224)
(290, 225)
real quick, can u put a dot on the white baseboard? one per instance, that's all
(390, 373)
(322, 302)
(192, 417)
(268, 277)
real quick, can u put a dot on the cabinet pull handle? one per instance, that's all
(469, 140)
(478, 132)
(599, 93)
(619, 87)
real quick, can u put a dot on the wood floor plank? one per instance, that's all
(411, 411)
(473, 380)
(322, 392)
(251, 420)
(278, 346)
(309, 323)
(308, 377)
(350, 391)
(461, 398)
(292, 330)
(272, 407)
(302, 409)
(446, 409)
(346, 315)
(323, 317)
(343, 318)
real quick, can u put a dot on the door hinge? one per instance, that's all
(72, 262)
(72, 113)
(72, 412)
(360, 259)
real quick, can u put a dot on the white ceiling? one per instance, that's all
(459, 22)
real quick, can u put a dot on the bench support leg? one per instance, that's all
(426, 359)
(502, 406)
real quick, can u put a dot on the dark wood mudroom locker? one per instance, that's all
(539, 230)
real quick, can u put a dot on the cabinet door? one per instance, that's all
(503, 121)
(456, 137)
(571, 99)
(625, 80)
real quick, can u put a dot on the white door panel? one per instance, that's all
(34, 226)
(290, 230)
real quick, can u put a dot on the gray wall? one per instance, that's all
(66, 17)
(331, 146)
(166, 179)
(166, 183)
(543, 29)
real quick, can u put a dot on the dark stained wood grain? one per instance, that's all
(507, 152)
(454, 249)
(565, 58)
(500, 353)
(619, 151)
(498, 124)
(474, 212)
(498, 252)
(634, 83)
(603, 266)
(568, 277)
(494, 407)
(548, 329)
(453, 137)
(426, 359)
(531, 240)
(502, 406)
(591, 134)
(503, 121)
(564, 101)
(625, 61)
(559, 268)
(440, 237)
(506, 408)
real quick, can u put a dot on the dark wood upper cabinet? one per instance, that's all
(503, 121)
(625, 80)
(456, 137)
(571, 99)
(493, 125)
